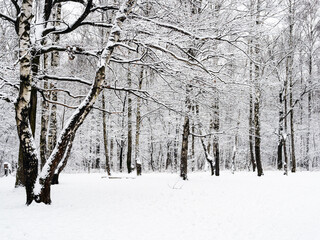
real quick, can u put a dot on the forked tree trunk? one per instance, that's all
(206, 149)
(41, 190)
(208, 157)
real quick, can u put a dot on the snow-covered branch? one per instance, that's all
(65, 79)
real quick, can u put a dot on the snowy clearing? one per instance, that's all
(160, 206)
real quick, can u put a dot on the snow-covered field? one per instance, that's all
(160, 206)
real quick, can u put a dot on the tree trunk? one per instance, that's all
(20, 179)
(216, 128)
(52, 136)
(63, 163)
(235, 147)
(185, 136)
(208, 157)
(138, 124)
(121, 146)
(308, 158)
(285, 134)
(105, 135)
(111, 154)
(257, 147)
(280, 131)
(97, 153)
(24, 100)
(193, 143)
(55, 59)
(251, 127)
(44, 118)
(290, 76)
(20, 182)
(129, 150)
(184, 149)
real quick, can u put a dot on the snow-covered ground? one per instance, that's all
(160, 206)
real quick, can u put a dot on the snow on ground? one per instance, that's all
(160, 206)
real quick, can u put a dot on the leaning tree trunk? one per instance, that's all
(206, 149)
(63, 163)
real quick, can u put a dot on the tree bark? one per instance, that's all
(22, 105)
(20, 179)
